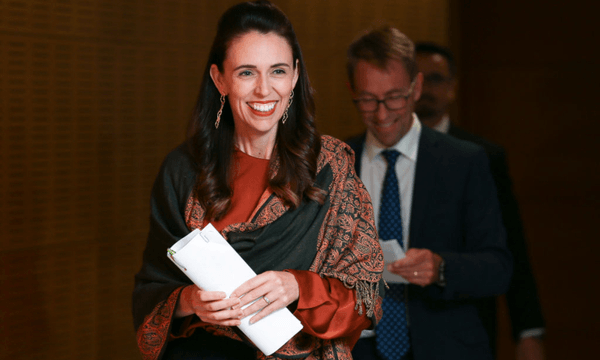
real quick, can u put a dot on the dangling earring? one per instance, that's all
(220, 112)
(285, 114)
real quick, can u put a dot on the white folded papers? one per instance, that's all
(391, 252)
(212, 264)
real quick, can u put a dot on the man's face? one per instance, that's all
(371, 82)
(438, 87)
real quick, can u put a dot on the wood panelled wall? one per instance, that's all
(529, 80)
(93, 94)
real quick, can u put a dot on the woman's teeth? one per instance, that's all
(263, 107)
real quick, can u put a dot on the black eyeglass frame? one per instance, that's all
(385, 100)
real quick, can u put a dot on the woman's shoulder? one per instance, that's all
(335, 152)
(334, 145)
(178, 165)
(180, 156)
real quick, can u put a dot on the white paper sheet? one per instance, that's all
(392, 252)
(212, 264)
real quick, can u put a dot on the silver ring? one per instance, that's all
(267, 300)
(416, 273)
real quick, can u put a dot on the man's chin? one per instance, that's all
(387, 139)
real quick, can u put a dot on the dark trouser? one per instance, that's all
(366, 349)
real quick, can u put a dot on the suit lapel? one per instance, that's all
(424, 183)
(357, 144)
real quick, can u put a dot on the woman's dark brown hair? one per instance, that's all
(297, 144)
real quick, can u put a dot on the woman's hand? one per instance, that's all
(273, 290)
(210, 306)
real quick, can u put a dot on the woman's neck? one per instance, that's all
(258, 147)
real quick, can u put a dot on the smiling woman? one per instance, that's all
(285, 198)
(257, 77)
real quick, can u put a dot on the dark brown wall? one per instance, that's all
(529, 80)
(93, 94)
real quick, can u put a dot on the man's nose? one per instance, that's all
(382, 111)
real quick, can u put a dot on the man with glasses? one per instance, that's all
(434, 199)
(438, 67)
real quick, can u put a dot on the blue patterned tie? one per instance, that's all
(392, 330)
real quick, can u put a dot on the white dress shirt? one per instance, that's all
(444, 125)
(374, 165)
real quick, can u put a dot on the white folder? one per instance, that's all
(212, 264)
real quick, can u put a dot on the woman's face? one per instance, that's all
(258, 77)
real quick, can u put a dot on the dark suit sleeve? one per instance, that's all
(483, 267)
(522, 297)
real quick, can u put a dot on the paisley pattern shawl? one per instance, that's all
(347, 249)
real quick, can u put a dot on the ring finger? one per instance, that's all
(258, 305)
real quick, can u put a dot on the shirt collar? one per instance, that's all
(407, 146)
(444, 125)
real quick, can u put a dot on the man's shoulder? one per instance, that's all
(430, 140)
(489, 147)
(357, 141)
(445, 145)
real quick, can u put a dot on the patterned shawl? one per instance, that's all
(337, 239)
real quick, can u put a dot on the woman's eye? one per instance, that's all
(278, 71)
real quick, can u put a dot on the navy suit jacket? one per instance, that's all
(454, 213)
(522, 297)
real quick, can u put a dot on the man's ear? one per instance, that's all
(452, 89)
(217, 79)
(418, 86)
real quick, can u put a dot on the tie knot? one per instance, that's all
(390, 156)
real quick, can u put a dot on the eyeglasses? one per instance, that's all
(393, 102)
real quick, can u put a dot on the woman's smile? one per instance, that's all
(262, 108)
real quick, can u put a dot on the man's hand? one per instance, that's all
(530, 348)
(420, 267)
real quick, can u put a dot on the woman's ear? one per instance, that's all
(296, 73)
(217, 78)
